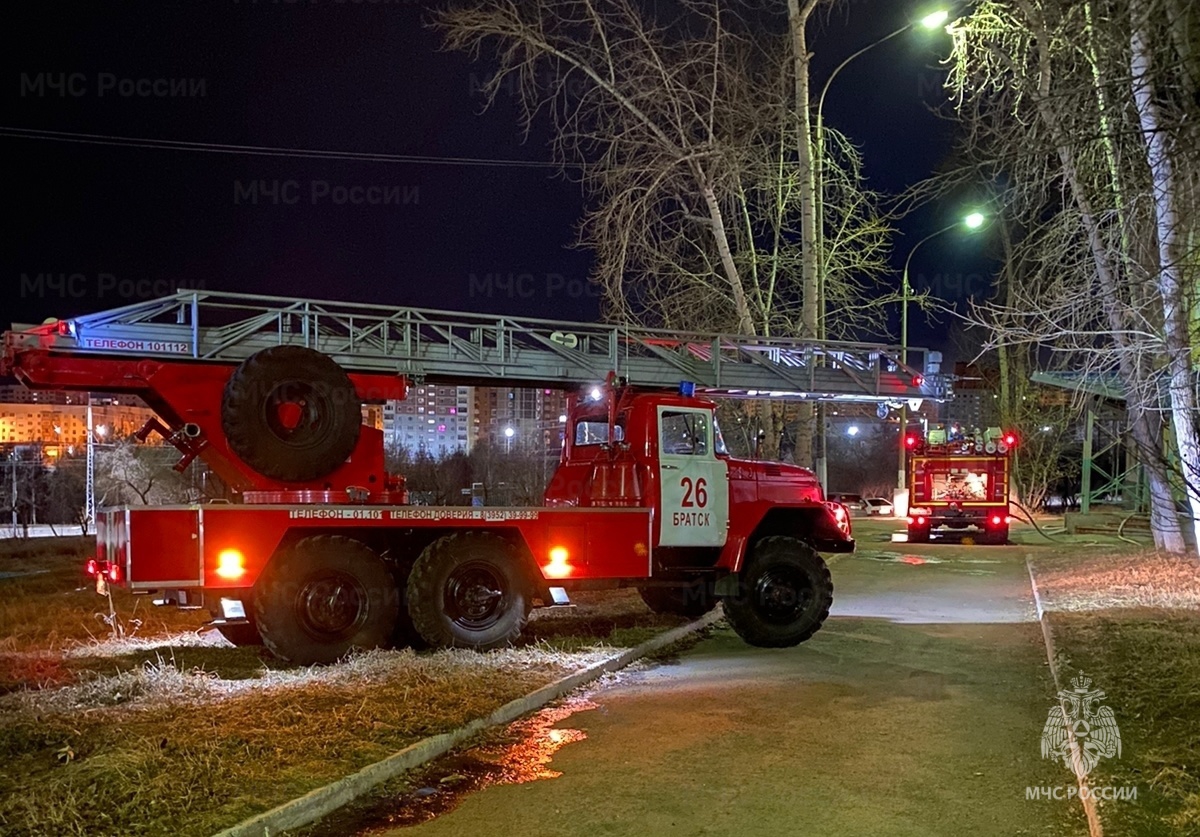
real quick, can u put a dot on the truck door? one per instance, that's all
(694, 483)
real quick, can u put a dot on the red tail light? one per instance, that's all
(910, 441)
(114, 573)
(918, 380)
(1010, 439)
(920, 521)
(91, 567)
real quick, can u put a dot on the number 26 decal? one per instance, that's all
(694, 496)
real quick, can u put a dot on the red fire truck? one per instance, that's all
(319, 551)
(958, 481)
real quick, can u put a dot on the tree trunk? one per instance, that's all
(1166, 224)
(1164, 523)
(798, 15)
(732, 277)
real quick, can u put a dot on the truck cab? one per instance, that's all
(665, 451)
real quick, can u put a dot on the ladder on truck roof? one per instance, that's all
(475, 349)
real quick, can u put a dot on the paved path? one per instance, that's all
(917, 710)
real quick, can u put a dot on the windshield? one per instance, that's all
(595, 432)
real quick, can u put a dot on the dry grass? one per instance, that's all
(49, 604)
(159, 749)
(1117, 580)
(1132, 623)
(167, 730)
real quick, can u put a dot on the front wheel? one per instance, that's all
(469, 590)
(321, 597)
(784, 595)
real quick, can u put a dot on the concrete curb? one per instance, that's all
(1090, 810)
(316, 804)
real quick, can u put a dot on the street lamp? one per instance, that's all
(931, 21)
(508, 434)
(973, 221)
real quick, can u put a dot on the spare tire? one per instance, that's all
(291, 413)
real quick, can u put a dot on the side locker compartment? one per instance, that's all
(164, 547)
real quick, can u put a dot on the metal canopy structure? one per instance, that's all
(1109, 465)
(473, 349)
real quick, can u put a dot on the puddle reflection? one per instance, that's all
(523, 754)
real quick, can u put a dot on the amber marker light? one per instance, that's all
(558, 566)
(231, 564)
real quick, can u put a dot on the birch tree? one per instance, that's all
(1066, 101)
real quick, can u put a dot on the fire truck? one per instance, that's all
(316, 550)
(958, 481)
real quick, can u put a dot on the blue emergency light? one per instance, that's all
(687, 388)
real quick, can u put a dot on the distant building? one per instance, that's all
(976, 401)
(20, 394)
(61, 429)
(434, 418)
(534, 417)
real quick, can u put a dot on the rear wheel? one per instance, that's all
(469, 590)
(323, 596)
(785, 594)
(692, 601)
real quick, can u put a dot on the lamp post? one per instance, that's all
(930, 21)
(972, 222)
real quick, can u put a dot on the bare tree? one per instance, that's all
(140, 475)
(692, 138)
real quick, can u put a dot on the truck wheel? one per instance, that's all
(323, 596)
(291, 413)
(692, 601)
(469, 590)
(785, 594)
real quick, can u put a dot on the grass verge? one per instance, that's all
(1131, 622)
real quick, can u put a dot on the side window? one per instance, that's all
(684, 433)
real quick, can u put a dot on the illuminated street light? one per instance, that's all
(975, 220)
(935, 20)
(852, 430)
(930, 21)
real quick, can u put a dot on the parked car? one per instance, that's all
(876, 505)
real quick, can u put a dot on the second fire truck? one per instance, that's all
(958, 482)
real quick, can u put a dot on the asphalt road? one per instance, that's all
(917, 710)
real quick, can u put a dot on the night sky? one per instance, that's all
(127, 223)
